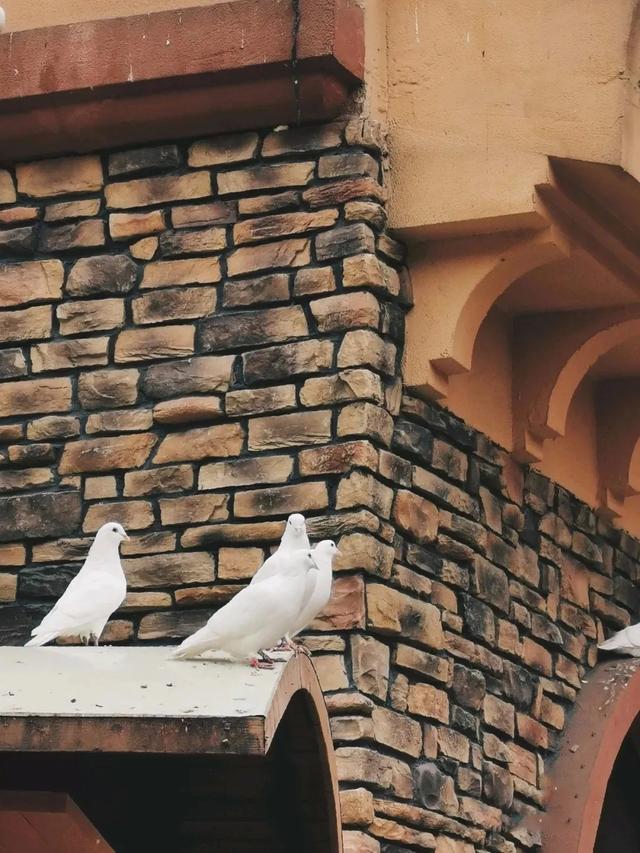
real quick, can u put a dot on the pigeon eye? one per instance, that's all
(114, 529)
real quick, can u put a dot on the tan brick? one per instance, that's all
(396, 614)
(106, 454)
(108, 388)
(12, 554)
(295, 252)
(331, 672)
(53, 426)
(197, 242)
(359, 842)
(342, 387)
(498, 714)
(27, 324)
(220, 150)
(427, 701)
(416, 516)
(136, 601)
(100, 487)
(187, 271)
(251, 291)
(144, 249)
(209, 442)
(278, 500)
(537, 657)
(265, 177)
(314, 280)
(532, 731)
(14, 215)
(338, 192)
(365, 419)
(149, 543)
(268, 203)
(26, 478)
(289, 430)
(8, 587)
(345, 609)
(260, 400)
(133, 515)
(239, 563)
(281, 225)
(241, 534)
(370, 666)
(392, 831)
(168, 569)
(346, 311)
(94, 315)
(33, 396)
(362, 271)
(364, 552)
(126, 420)
(200, 596)
(192, 215)
(366, 211)
(7, 189)
(11, 432)
(351, 728)
(337, 458)
(245, 472)
(446, 844)
(147, 191)
(188, 410)
(363, 489)
(397, 731)
(62, 176)
(123, 225)
(30, 281)
(87, 234)
(574, 581)
(79, 352)
(72, 209)
(416, 660)
(453, 745)
(357, 764)
(189, 376)
(193, 509)
(156, 342)
(173, 478)
(356, 807)
(363, 348)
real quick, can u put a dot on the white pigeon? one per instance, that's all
(323, 555)
(627, 642)
(3, 20)
(97, 590)
(293, 539)
(256, 618)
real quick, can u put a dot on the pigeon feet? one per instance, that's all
(301, 649)
(261, 664)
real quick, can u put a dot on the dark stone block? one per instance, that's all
(18, 240)
(491, 584)
(347, 240)
(39, 516)
(479, 620)
(414, 440)
(45, 582)
(143, 159)
(17, 621)
(12, 363)
(102, 274)
(464, 721)
(428, 781)
(519, 685)
(468, 687)
(498, 785)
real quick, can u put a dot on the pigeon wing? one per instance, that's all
(628, 638)
(87, 599)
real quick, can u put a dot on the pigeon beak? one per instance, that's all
(338, 552)
(126, 538)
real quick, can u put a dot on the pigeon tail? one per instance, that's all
(193, 646)
(41, 639)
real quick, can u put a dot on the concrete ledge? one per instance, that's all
(230, 66)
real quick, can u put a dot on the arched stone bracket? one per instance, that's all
(554, 354)
(605, 711)
(618, 425)
(460, 280)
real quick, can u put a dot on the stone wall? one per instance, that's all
(199, 339)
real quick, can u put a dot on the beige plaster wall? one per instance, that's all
(29, 14)
(480, 91)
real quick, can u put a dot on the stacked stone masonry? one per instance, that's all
(200, 339)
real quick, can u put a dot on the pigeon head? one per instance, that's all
(328, 547)
(295, 532)
(308, 563)
(111, 532)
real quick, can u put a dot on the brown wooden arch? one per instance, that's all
(603, 716)
(183, 755)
